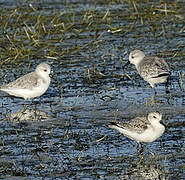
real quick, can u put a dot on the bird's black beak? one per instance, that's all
(126, 64)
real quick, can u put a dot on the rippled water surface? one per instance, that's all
(64, 134)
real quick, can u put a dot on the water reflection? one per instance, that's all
(27, 114)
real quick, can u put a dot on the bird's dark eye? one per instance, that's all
(154, 116)
(132, 57)
(45, 70)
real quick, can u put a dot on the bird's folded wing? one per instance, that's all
(27, 81)
(154, 68)
(138, 124)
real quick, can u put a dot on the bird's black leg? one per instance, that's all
(140, 148)
(155, 92)
(168, 81)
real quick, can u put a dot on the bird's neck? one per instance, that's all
(157, 125)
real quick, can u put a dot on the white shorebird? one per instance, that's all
(141, 129)
(152, 69)
(31, 85)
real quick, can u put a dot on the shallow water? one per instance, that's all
(86, 44)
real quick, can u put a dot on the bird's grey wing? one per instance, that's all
(137, 124)
(27, 81)
(154, 67)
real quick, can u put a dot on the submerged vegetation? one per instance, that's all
(38, 30)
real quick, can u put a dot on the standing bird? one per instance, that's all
(141, 129)
(31, 85)
(152, 69)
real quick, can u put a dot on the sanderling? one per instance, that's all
(141, 129)
(152, 69)
(31, 85)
